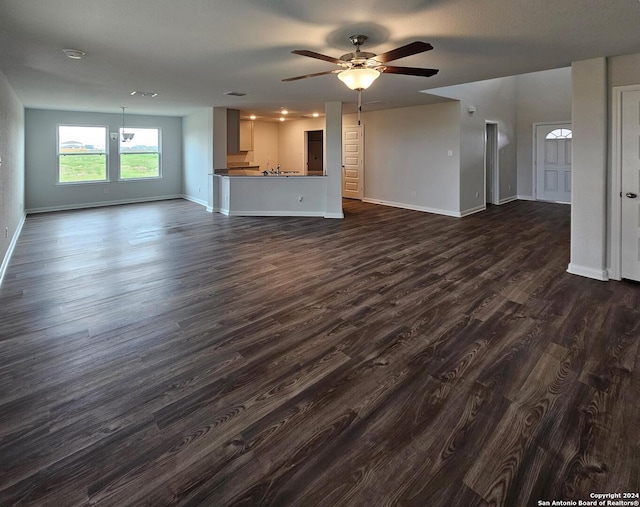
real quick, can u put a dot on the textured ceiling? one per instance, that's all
(191, 52)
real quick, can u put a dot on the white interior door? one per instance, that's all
(631, 185)
(553, 162)
(353, 162)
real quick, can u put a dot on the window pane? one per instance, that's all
(76, 139)
(139, 156)
(82, 153)
(74, 168)
(560, 134)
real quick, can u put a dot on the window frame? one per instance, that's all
(60, 154)
(158, 153)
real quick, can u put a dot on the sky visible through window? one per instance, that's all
(96, 136)
(86, 136)
(142, 137)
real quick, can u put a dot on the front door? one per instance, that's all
(553, 163)
(353, 162)
(631, 185)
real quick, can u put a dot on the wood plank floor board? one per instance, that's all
(155, 354)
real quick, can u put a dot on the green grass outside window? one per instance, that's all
(75, 168)
(79, 168)
(139, 165)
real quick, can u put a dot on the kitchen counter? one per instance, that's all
(245, 170)
(271, 195)
(234, 171)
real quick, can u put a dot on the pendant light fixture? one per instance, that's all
(126, 136)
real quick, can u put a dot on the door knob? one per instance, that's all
(631, 195)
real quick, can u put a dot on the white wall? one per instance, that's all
(197, 154)
(495, 101)
(11, 170)
(624, 70)
(42, 192)
(265, 144)
(589, 171)
(541, 97)
(406, 156)
(291, 142)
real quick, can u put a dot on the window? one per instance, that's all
(559, 134)
(140, 157)
(82, 154)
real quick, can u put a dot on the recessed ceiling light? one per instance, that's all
(284, 111)
(315, 115)
(281, 118)
(252, 117)
(144, 94)
(74, 54)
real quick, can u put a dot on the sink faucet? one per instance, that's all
(278, 172)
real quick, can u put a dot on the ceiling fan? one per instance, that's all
(360, 68)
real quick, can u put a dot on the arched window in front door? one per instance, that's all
(560, 134)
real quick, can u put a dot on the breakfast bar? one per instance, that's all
(285, 194)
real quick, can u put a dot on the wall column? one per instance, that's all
(333, 149)
(589, 169)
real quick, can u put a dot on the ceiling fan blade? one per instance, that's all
(313, 54)
(410, 49)
(311, 75)
(410, 71)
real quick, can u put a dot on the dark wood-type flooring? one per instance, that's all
(155, 354)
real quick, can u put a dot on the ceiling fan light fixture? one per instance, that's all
(358, 79)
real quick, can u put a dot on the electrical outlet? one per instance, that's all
(413, 193)
(6, 232)
(198, 189)
(299, 198)
(509, 187)
(477, 195)
(106, 190)
(450, 153)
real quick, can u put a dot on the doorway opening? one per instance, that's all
(314, 156)
(491, 163)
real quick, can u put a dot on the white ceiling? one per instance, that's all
(192, 51)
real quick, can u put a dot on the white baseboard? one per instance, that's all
(413, 207)
(12, 246)
(257, 213)
(596, 274)
(525, 198)
(68, 207)
(507, 199)
(471, 211)
(334, 215)
(201, 202)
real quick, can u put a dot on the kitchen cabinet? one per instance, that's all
(246, 135)
(239, 133)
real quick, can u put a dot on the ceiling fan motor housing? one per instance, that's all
(360, 59)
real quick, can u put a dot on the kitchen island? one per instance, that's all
(285, 194)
